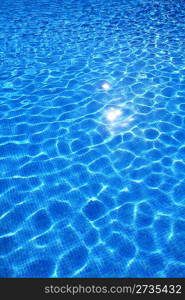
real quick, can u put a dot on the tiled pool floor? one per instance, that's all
(92, 138)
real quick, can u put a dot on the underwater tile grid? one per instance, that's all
(92, 138)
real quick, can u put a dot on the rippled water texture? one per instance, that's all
(92, 139)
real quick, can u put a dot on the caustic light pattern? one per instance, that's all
(92, 139)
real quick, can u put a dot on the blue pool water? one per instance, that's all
(92, 138)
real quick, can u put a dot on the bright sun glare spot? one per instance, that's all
(106, 86)
(112, 114)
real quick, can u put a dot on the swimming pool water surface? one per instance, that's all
(92, 138)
